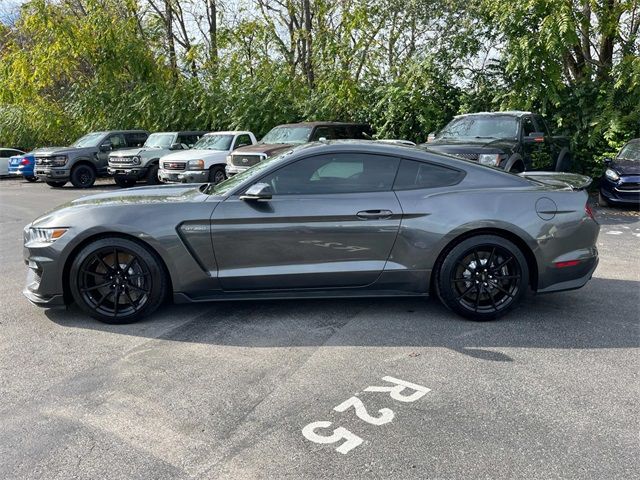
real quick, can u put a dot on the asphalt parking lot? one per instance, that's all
(225, 390)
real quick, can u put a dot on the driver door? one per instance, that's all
(331, 223)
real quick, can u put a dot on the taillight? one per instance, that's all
(589, 211)
(25, 161)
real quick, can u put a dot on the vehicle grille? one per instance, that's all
(43, 161)
(120, 161)
(629, 186)
(240, 160)
(174, 165)
(468, 156)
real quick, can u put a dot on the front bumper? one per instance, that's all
(626, 191)
(185, 176)
(49, 173)
(130, 173)
(234, 169)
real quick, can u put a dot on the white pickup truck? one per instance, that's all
(206, 161)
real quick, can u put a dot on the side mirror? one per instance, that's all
(608, 161)
(431, 137)
(175, 146)
(105, 147)
(257, 191)
(534, 137)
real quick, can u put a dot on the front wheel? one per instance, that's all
(54, 184)
(124, 182)
(83, 176)
(482, 277)
(217, 174)
(152, 175)
(117, 281)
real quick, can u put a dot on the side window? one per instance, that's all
(336, 173)
(117, 141)
(360, 132)
(188, 139)
(342, 132)
(527, 126)
(414, 175)
(135, 139)
(326, 132)
(541, 125)
(4, 154)
(242, 141)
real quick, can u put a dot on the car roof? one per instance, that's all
(229, 132)
(512, 113)
(179, 132)
(322, 124)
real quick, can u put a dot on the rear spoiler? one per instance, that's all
(573, 181)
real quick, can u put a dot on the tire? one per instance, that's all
(602, 201)
(564, 164)
(152, 175)
(54, 184)
(139, 285)
(482, 294)
(517, 168)
(124, 182)
(31, 179)
(83, 176)
(217, 174)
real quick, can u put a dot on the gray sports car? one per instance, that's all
(333, 219)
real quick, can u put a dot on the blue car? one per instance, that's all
(620, 184)
(23, 165)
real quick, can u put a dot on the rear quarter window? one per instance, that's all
(413, 175)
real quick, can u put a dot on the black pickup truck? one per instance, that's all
(515, 141)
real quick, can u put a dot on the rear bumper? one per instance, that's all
(572, 278)
(25, 172)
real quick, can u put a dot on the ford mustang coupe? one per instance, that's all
(330, 219)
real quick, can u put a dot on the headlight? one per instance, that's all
(59, 161)
(45, 235)
(611, 175)
(229, 160)
(491, 159)
(135, 160)
(195, 165)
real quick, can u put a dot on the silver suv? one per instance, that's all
(84, 160)
(130, 165)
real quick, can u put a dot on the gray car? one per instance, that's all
(336, 219)
(84, 160)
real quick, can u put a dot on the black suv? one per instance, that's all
(84, 160)
(514, 141)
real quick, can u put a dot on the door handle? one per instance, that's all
(374, 214)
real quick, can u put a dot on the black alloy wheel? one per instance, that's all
(117, 281)
(55, 184)
(83, 176)
(483, 277)
(124, 182)
(152, 175)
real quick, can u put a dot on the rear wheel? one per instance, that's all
(217, 174)
(31, 179)
(54, 184)
(117, 281)
(483, 277)
(152, 175)
(83, 176)
(124, 182)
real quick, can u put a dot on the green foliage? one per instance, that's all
(406, 67)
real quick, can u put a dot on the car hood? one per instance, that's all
(483, 145)
(51, 151)
(157, 194)
(626, 167)
(196, 155)
(268, 149)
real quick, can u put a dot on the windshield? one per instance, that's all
(631, 151)
(293, 135)
(229, 184)
(89, 140)
(159, 140)
(481, 126)
(214, 142)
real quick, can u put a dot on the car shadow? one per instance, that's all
(604, 314)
